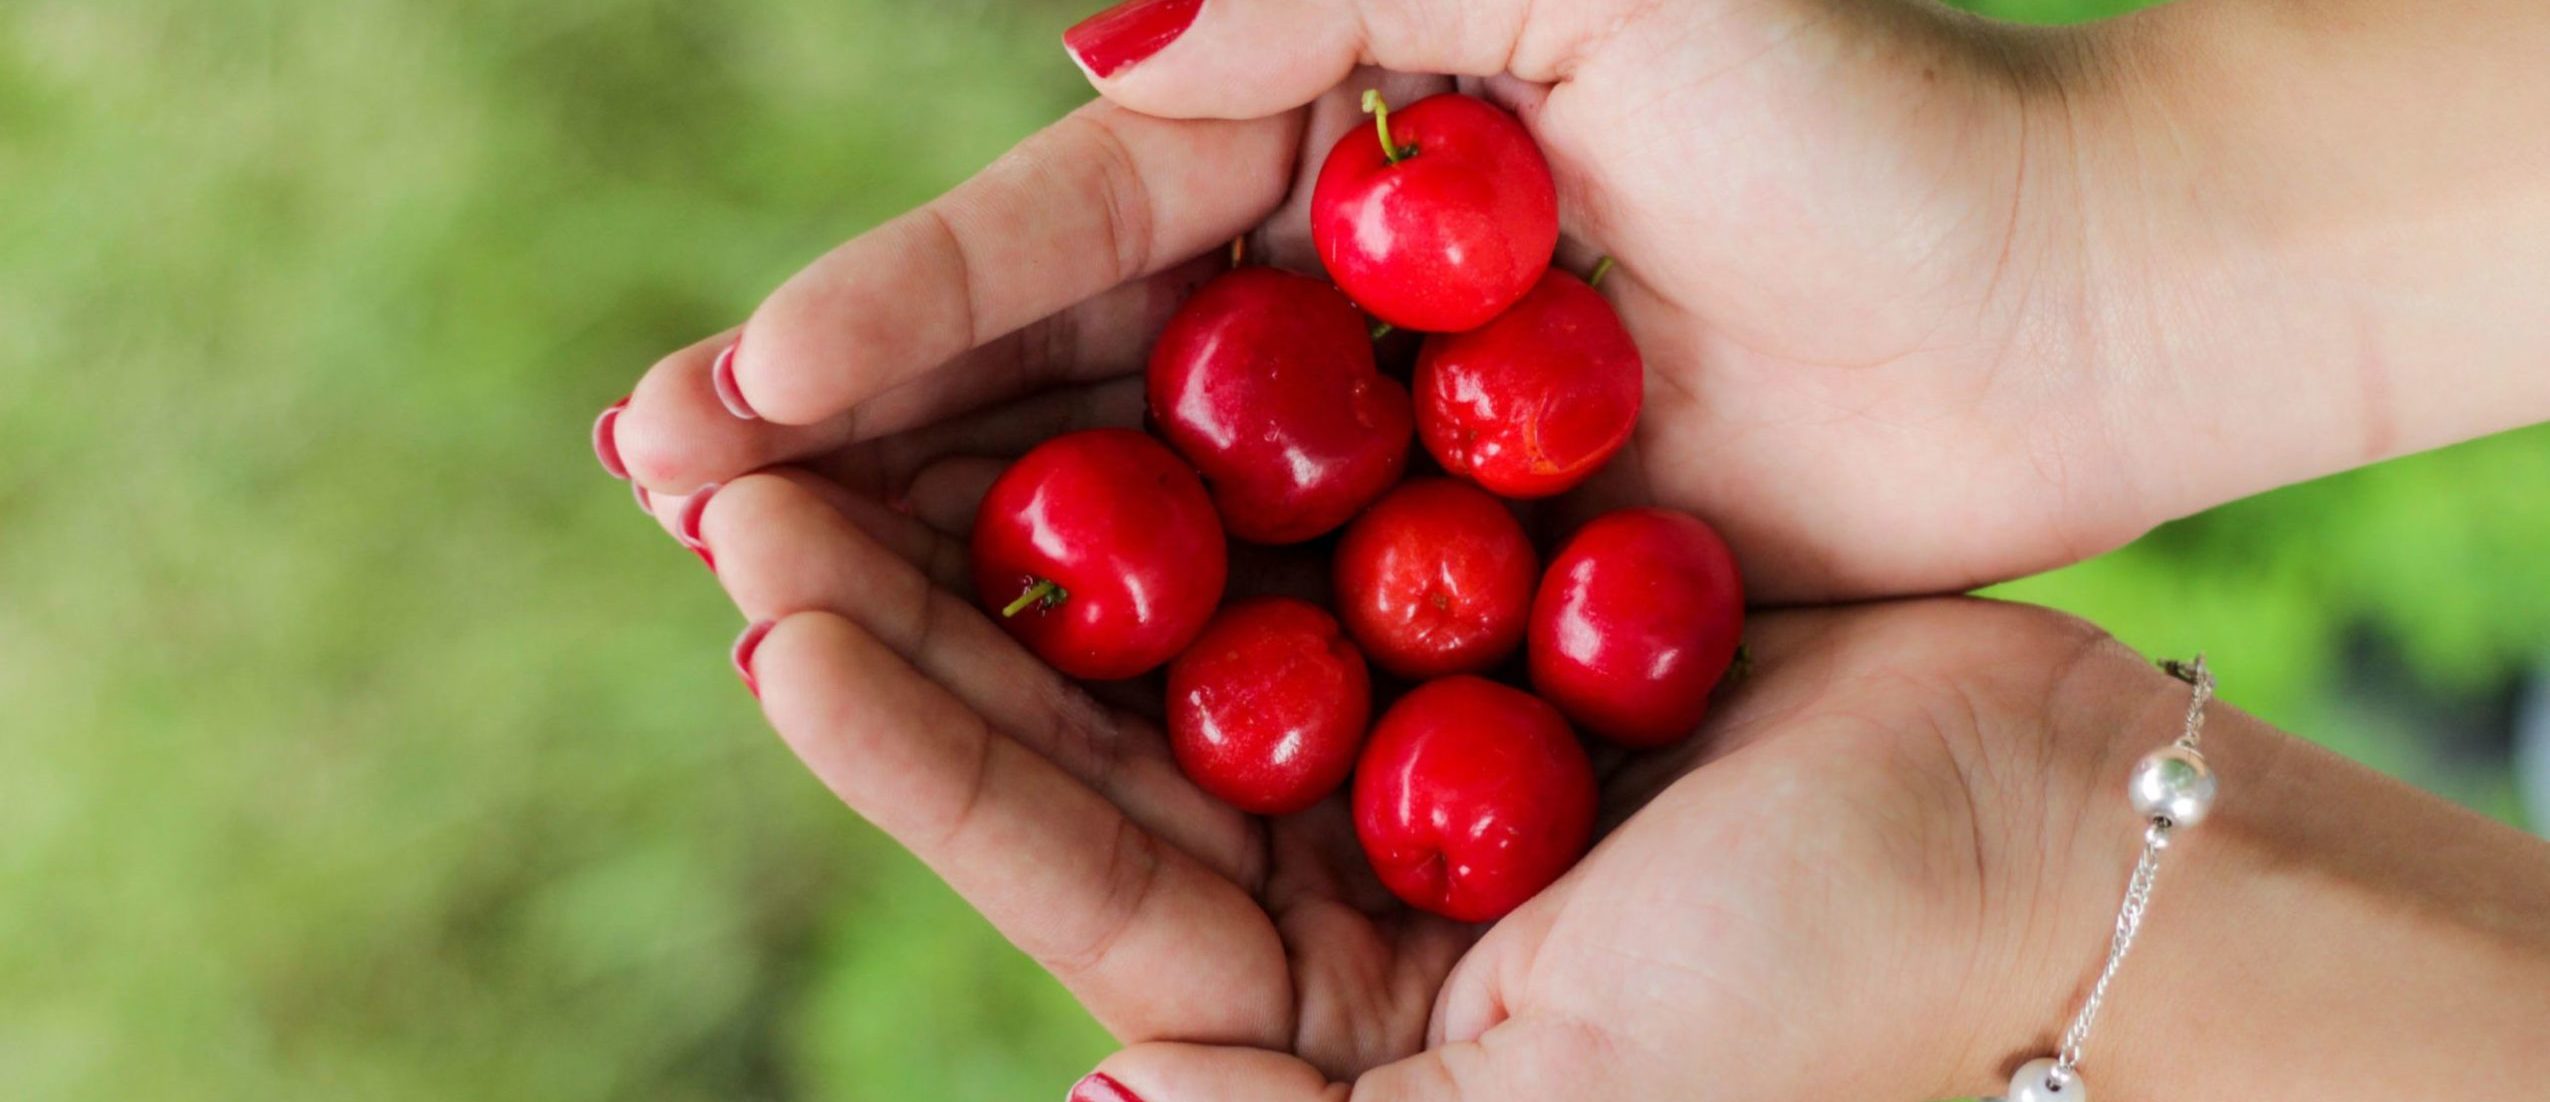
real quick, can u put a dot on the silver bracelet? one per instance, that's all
(2171, 788)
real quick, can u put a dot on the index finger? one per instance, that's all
(1103, 196)
(1154, 943)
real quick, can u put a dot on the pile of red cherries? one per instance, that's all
(1106, 551)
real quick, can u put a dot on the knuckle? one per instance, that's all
(1132, 871)
(1123, 196)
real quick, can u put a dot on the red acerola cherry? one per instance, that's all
(1265, 381)
(1100, 551)
(1537, 400)
(1438, 216)
(1436, 578)
(1472, 797)
(1636, 621)
(1268, 707)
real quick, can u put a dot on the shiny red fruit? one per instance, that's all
(1100, 551)
(1436, 578)
(1537, 400)
(1636, 621)
(1268, 707)
(1448, 232)
(1265, 381)
(1472, 797)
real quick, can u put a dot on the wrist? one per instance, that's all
(2325, 933)
(2320, 234)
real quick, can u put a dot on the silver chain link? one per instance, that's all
(2138, 890)
(2193, 673)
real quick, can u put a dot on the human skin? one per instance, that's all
(1900, 838)
(1925, 302)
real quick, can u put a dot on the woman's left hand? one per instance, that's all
(1852, 856)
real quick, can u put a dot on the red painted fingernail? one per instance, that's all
(606, 444)
(1099, 1087)
(686, 526)
(646, 503)
(745, 645)
(1122, 36)
(721, 375)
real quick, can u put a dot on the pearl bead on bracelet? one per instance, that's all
(2172, 788)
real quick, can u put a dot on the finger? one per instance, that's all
(682, 516)
(1100, 198)
(1105, 337)
(782, 549)
(1171, 1072)
(1154, 944)
(1522, 1059)
(1242, 59)
(886, 467)
(876, 479)
(677, 434)
(947, 495)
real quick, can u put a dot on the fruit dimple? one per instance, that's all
(1431, 876)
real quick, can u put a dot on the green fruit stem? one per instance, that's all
(1044, 590)
(1379, 108)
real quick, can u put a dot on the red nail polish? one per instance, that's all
(745, 645)
(646, 502)
(686, 526)
(1099, 1087)
(606, 444)
(721, 376)
(1120, 37)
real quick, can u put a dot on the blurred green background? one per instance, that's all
(360, 740)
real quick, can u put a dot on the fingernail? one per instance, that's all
(686, 526)
(1099, 1087)
(646, 503)
(606, 444)
(721, 375)
(745, 645)
(1122, 36)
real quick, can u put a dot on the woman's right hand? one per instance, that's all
(1926, 302)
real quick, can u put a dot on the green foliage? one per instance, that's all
(2052, 11)
(363, 743)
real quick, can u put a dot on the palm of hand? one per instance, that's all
(1825, 826)
(1842, 280)
(1830, 840)
(1841, 276)
(1812, 363)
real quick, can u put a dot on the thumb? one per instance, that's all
(1239, 59)
(1519, 1060)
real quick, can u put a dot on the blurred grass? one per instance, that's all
(361, 743)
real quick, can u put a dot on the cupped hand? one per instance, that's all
(1755, 186)
(1847, 235)
(1848, 881)
(1870, 876)
(1880, 869)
